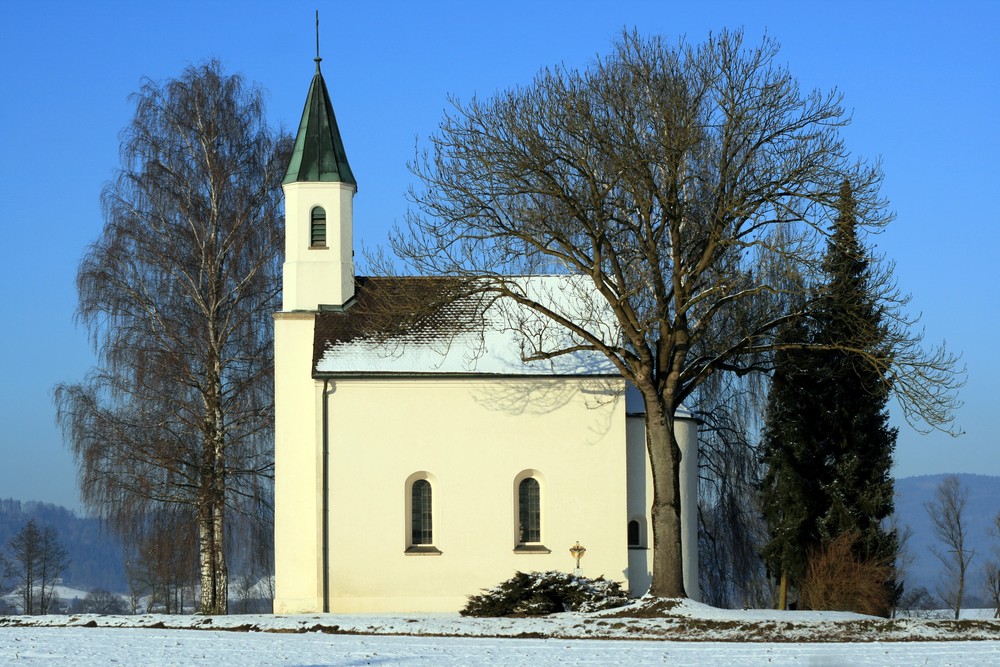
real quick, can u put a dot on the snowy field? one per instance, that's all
(155, 648)
(691, 634)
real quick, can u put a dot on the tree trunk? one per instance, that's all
(212, 503)
(961, 588)
(206, 557)
(214, 579)
(221, 569)
(664, 460)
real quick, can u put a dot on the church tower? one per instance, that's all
(318, 274)
(319, 192)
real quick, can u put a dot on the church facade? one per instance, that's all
(418, 458)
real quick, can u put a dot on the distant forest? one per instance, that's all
(96, 556)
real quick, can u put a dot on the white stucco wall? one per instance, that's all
(474, 438)
(686, 431)
(297, 468)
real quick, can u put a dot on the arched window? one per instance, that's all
(418, 526)
(637, 532)
(421, 531)
(529, 511)
(633, 533)
(317, 235)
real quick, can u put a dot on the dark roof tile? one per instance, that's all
(407, 310)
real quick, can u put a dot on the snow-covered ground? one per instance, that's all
(153, 648)
(691, 634)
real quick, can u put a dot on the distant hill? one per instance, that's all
(95, 555)
(912, 494)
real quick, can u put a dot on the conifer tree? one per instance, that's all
(794, 471)
(857, 438)
(827, 442)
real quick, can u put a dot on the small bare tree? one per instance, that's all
(992, 569)
(904, 560)
(947, 513)
(5, 572)
(37, 559)
(101, 601)
(163, 566)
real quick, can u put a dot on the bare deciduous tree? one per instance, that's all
(684, 184)
(177, 294)
(163, 566)
(993, 586)
(6, 570)
(101, 601)
(904, 561)
(947, 513)
(992, 569)
(36, 561)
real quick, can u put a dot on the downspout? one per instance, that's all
(326, 497)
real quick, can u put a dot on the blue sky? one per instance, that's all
(921, 78)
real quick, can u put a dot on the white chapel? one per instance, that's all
(418, 458)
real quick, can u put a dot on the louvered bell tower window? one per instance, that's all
(318, 228)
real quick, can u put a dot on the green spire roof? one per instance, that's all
(319, 153)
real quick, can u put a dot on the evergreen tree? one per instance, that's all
(795, 472)
(857, 438)
(827, 442)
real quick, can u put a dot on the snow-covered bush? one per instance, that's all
(539, 593)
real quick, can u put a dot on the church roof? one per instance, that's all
(319, 153)
(437, 325)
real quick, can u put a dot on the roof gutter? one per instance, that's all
(382, 375)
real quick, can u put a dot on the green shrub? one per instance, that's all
(540, 593)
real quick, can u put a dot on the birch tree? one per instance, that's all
(177, 294)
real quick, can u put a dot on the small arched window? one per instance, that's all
(633, 534)
(421, 530)
(637, 532)
(317, 230)
(529, 511)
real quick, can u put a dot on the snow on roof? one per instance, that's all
(434, 325)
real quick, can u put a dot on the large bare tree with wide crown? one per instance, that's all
(692, 185)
